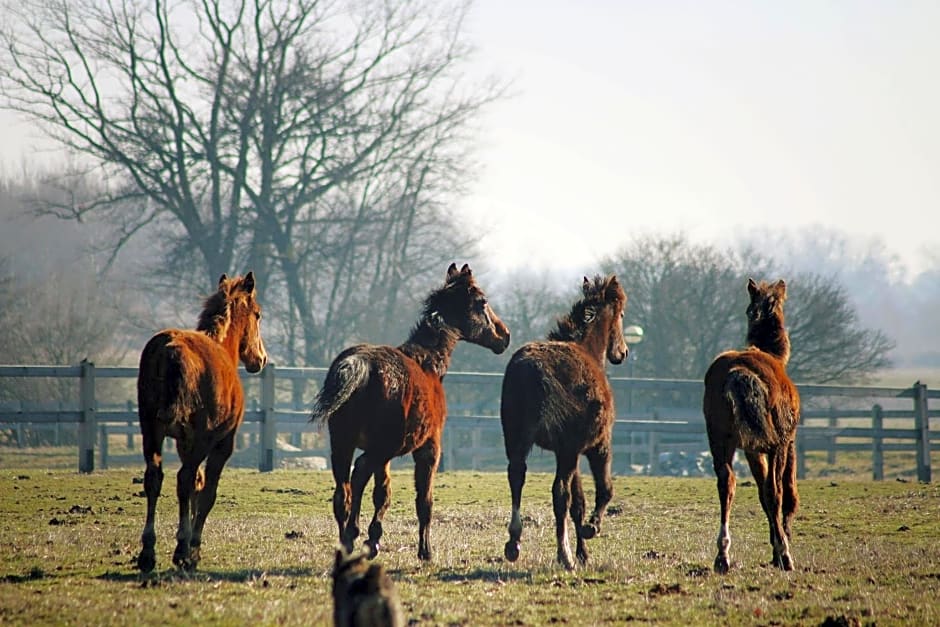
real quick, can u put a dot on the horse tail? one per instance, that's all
(749, 400)
(159, 382)
(346, 375)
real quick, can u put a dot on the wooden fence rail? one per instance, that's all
(668, 420)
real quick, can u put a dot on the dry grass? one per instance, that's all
(863, 550)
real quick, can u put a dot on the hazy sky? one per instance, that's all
(708, 117)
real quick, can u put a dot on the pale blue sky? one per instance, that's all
(651, 117)
(638, 117)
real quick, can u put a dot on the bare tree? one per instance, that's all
(690, 300)
(316, 142)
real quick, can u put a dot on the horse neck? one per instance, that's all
(431, 346)
(771, 337)
(229, 336)
(593, 341)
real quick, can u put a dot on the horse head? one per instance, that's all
(245, 315)
(613, 300)
(462, 305)
(765, 323)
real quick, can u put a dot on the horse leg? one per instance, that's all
(565, 465)
(757, 462)
(381, 498)
(185, 486)
(426, 458)
(153, 482)
(516, 472)
(791, 498)
(599, 460)
(362, 470)
(577, 515)
(773, 493)
(340, 460)
(204, 495)
(722, 457)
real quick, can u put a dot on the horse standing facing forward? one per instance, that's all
(750, 403)
(188, 388)
(556, 394)
(390, 401)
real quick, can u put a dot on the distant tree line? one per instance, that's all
(322, 145)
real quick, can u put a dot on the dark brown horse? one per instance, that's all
(363, 594)
(390, 401)
(188, 388)
(556, 395)
(750, 403)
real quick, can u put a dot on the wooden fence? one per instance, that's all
(659, 420)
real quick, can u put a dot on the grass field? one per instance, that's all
(866, 553)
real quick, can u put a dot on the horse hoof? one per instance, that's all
(784, 562)
(511, 551)
(588, 531)
(373, 548)
(565, 560)
(184, 560)
(582, 557)
(721, 565)
(424, 555)
(146, 562)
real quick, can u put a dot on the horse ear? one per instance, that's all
(222, 280)
(586, 286)
(752, 287)
(466, 270)
(249, 282)
(781, 289)
(451, 272)
(613, 287)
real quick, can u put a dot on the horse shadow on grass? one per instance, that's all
(490, 575)
(173, 575)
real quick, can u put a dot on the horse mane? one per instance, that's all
(432, 340)
(215, 318)
(573, 326)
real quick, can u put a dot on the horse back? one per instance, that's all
(395, 408)
(748, 394)
(556, 391)
(185, 377)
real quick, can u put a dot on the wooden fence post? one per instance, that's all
(86, 428)
(831, 440)
(297, 402)
(922, 425)
(877, 445)
(268, 421)
(103, 447)
(130, 426)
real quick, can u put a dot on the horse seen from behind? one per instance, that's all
(750, 403)
(556, 394)
(188, 388)
(390, 401)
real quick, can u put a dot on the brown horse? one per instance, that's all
(188, 388)
(750, 403)
(390, 401)
(364, 594)
(556, 394)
